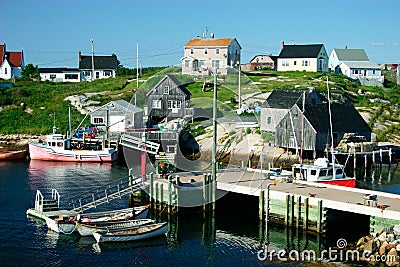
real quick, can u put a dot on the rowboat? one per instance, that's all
(13, 155)
(139, 233)
(66, 224)
(87, 229)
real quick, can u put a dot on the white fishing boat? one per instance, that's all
(87, 229)
(139, 233)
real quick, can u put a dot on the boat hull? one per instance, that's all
(342, 182)
(86, 229)
(13, 155)
(60, 226)
(121, 237)
(41, 152)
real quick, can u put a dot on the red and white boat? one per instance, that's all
(58, 148)
(322, 171)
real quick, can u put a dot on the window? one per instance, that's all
(87, 73)
(52, 76)
(166, 90)
(98, 120)
(285, 63)
(215, 64)
(191, 51)
(5, 71)
(187, 63)
(373, 72)
(313, 172)
(305, 63)
(269, 120)
(206, 51)
(202, 63)
(217, 51)
(107, 73)
(295, 62)
(71, 76)
(174, 104)
(97, 74)
(156, 104)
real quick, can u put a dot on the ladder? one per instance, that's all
(106, 193)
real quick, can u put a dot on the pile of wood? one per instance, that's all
(382, 247)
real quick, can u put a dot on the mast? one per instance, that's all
(137, 69)
(331, 129)
(302, 127)
(92, 59)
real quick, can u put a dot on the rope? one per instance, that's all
(65, 233)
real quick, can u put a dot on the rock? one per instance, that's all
(390, 246)
(382, 236)
(382, 248)
(390, 237)
(392, 259)
(398, 247)
(360, 242)
(369, 246)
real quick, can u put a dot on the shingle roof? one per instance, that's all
(15, 58)
(127, 105)
(351, 54)
(361, 64)
(100, 62)
(175, 81)
(2, 53)
(345, 118)
(222, 42)
(284, 99)
(300, 51)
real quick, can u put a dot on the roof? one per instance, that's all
(301, 51)
(361, 65)
(283, 99)
(100, 62)
(266, 56)
(127, 106)
(2, 53)
(15, 58)
(345, 118)
(57, 70)
(351, 54)
(213, 42)
(175, 81)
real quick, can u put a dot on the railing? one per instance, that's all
(55, 196)
(39, 201)
(104, 194)
(138, 144)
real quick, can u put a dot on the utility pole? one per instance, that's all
(137, 69)
(302, 127)
(92, 59)
(214, 148)
(240, 99)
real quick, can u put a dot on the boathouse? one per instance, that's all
(278, 104)
(119, 115)
(311, 130)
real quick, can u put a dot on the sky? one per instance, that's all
(52, 32)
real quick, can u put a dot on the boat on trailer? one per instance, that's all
(138, 233)
(87, 229)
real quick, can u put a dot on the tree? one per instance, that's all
(30, 72)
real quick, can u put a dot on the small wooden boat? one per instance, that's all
(87, 229)
(67, 224)
(139, 233)
(13, 155)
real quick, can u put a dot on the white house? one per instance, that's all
(11, 63)
(203, 55)
(104, 67)
(60, 74)
(312, 58)
(119, 115)
(339, 55)
(366, 72)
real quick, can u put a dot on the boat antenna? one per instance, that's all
(331, 128)
(54, 122)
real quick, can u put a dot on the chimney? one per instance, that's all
(79, 56)
(282, 44)
(345, 47)
(212, 36)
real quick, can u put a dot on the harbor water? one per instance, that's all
(230, 238)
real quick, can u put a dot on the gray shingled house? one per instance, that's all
(278, 104)
(316, 133)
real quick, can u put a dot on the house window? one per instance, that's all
(5, 71)
(156, 104)
(269, 120)
(98, 120)
(71, 76)
(206, 51)
(97, 74)
(87, 73)
(305, 63)
(187, 63)
(191, 51)
(373, 72)
(52, 76)
(215, 64)
(166, 90)
(174, 104)
(217, 51)
(285, 63)
(202, 63)
(107, 73)
(295, 62)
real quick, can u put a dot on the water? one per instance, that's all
(233, 238)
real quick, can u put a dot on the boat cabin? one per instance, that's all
(58, 142)
(320, 170)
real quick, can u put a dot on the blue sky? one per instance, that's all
(52, 32)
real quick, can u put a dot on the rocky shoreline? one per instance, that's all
(382, 247)
(10, 142)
